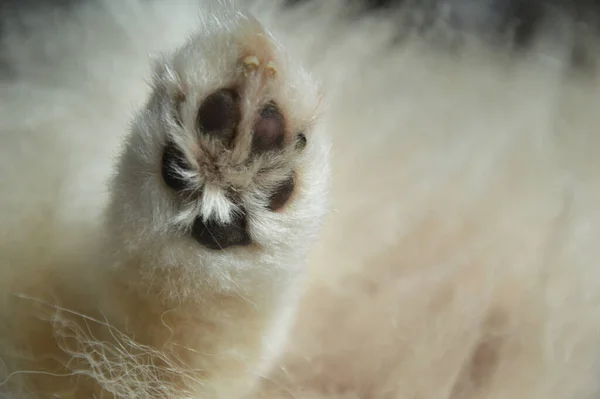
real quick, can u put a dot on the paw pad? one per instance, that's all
(269, 129)
(219, 114)
(219, 236)
(282, 194)
(173, 162)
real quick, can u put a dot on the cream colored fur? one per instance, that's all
(458, 258)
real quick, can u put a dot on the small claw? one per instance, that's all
(271, 68)
(250, 63)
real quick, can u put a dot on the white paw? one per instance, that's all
(227, 153)
(218, 194)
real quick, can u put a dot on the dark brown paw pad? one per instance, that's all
(214, 235)
(219, 115)
(269, 129)
(282, 193)
(172, 167)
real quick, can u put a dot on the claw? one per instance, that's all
(271, 68)
(250, 63)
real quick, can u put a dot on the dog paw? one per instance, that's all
(227, 152)
(245, 151)
(218, 194)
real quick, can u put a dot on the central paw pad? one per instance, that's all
(215, 235)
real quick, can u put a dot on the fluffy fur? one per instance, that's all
(458, 259)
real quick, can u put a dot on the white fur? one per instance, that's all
(190, 302)
(459, 259)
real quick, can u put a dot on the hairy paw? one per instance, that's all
(245, 151)
(228, 152)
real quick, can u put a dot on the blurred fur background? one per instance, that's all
(460, 259)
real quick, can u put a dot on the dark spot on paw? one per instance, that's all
(282, 194)
(215, 235)
(219, 114)
(172, 160)
(269, 129)
(301, 141)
